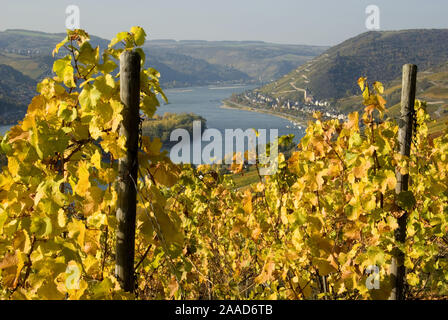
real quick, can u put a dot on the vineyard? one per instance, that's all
(323, 227)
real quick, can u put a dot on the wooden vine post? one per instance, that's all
(409, 83)
(127, 170)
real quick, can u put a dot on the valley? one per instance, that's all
(180, 63)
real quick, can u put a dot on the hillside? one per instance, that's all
(179, 70)
(181, 63)
(16, 91)
(432, 87)
(30, 53)
(261, 61)
(376, 55)
(36, 67)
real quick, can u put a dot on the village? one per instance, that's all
(308, 106)
(23, 52)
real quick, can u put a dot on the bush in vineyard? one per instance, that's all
(309, 231)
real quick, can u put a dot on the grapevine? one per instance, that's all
(310, 231)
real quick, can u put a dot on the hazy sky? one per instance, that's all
(320, 22)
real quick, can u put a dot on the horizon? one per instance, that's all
(229, 40)
(294, 22)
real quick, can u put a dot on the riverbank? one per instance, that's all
(236, 106)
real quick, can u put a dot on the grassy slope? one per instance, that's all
(377, 55)
(432, 87)
(30, 66)
(246, 178)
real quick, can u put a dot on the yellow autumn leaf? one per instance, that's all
(77, 231)
(49, 291)
(247, 201)
(324, 266)
(362, 82)
(83, 179)
(96, 159)
(266, 274)
(378, 87)
(165, 173)
(173, 286)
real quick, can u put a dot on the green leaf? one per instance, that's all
(66, 113)
(87, 54)
(386, 179)
(107, 66)
(104, 84)
(64, 71)
(103, 289)
(89, 97)
(355, 140)
(406, 200)
(5, 147)
(349, 157)
(149, 105)
(412, 279)
(41, 226)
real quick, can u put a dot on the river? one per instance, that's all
(207, 102)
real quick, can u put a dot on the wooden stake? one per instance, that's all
(127, 169)
(398, 270)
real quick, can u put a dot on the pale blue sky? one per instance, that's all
(320, 22)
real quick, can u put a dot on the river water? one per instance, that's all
(207, 102)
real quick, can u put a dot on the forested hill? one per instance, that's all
(376, 55)
(30, 53)
(181, 63)
(16, 91)
(260, 60)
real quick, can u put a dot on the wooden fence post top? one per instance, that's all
(129, 60)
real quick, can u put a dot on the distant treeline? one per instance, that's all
(162, 126)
